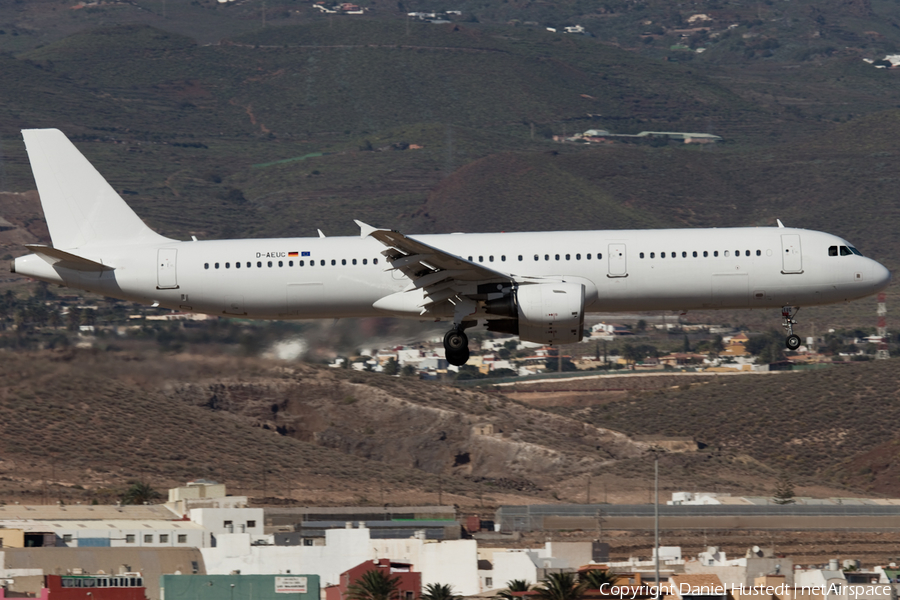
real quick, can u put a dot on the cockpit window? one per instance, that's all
(845, 251)
(855, 251)
(832, 251)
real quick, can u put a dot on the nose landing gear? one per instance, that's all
(787, 321)
(456, 346)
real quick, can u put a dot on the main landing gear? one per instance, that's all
(456, 346)
(787, 321)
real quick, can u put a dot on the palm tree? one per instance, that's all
(515, 585)
(560, 586)
(596, 578)
(439, 591)
(140, 493)
(374, 584)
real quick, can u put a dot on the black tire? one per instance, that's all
(459, 357)
(792, 342)
(454, 341)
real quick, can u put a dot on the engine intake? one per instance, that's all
(545, 313)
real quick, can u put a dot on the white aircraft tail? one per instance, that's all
(81, 208)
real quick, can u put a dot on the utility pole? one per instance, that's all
(882, 352)
(656, 516)
(588, 489)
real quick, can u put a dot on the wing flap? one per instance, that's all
(441, 282)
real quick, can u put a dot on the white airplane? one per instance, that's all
(535, 285)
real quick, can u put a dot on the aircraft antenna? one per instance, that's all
(882, 352)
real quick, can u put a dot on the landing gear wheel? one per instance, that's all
(456, 347)
(792, 342)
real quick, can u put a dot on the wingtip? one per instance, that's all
(780, 224)
(364, 229)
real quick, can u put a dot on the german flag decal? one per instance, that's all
(293, 253)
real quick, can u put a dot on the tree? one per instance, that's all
(784, 490)
(596, 578)
(391, 367)
(140, 493)
(686, 346)
(439, 591)
(560, 586)
(374, 584)
(515, 585)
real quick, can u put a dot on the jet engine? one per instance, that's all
(546, 313)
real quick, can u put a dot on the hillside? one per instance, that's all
(89, 422)
(832, 427)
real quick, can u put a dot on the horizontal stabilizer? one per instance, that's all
(67, 260)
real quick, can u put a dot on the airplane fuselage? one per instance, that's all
(626, 270)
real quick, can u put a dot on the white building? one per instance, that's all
(533, 564)
(220, 521)
(453, 562)
(117, 533)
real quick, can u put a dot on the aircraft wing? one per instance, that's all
(440, 277)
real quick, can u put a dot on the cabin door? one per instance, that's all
(791, 256)
(166, 278)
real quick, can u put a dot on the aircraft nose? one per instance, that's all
(881, 276)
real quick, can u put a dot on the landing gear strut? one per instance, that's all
(787, 321)
(456, 346)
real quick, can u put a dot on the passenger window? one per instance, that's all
(290, 263)
(300, 263)
(652, 255)
(642, 255)
(333, 262)
(715, 252)
(520, 258)
(228, 265)
(557, 256)
(365, 260)
(662, 254)
(684, 255)
(237, 265)
(205, 265)
(259, 264)
(726, 253)
(845, 251)
(280, 263)
(759, 252)
(588, 257)
(577, 257)
(747, 253)
(491, 258)
(470, 259)
(217, 265)
(568, 257)
(321, 263)
(374, 261)
(705, 253)
(248, 264)
(270, 264)
(536, 258)
(546, 257)
(343, 261)
(354, 261)
(503, 257)
(480, 259)
(599, 256)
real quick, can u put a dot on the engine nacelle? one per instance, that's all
(546, 313)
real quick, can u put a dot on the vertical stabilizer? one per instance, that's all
(81, 208)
